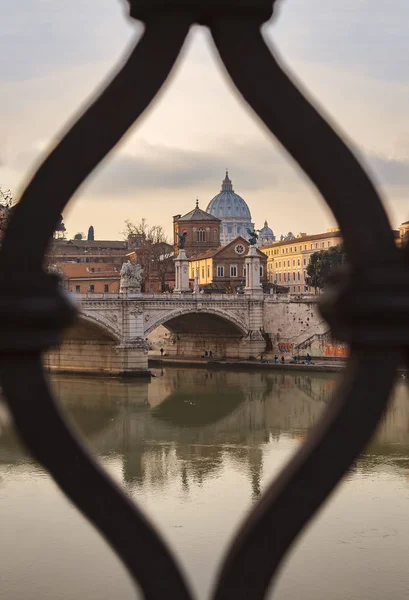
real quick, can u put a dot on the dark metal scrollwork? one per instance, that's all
(33, 310)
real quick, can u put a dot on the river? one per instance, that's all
(195, 449)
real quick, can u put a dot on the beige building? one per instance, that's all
(287, 260)
(224, 268)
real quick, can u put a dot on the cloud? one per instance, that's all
(388, 170)
(160, 167)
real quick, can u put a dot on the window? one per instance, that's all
(77, 289)
(322, 244)
(305, 247)
(106, 288)
(220, 271)
(244, 270)
(92, 270)
(293, 263)
(208, 271)
(203, 273)
(279, 277)
(261, 271)
(285, 276)
(329, 244)
(298, 262)
(316, 246)
(305, 262)
(201, 235)
(299, 288)
(230, 230)
(92, 289)
(311, 246)
(214, 235)
(293, 276)
(291, 249)
(233, 270)
(299, 277)
(288, 263)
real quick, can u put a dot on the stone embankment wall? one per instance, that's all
(95, 357)
(295, 326)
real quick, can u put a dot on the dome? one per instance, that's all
(228, 205)
(266, 231)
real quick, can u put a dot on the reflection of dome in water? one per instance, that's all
(197, 409)
(232, 210)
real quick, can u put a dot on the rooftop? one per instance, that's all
(197, 214)
(305, 238)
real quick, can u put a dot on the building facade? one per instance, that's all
(224, 267)
(287, 260)
(88, 251)
(202, 231)
(90, 278)
(233, 212)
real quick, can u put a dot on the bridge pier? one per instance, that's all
(97, 357)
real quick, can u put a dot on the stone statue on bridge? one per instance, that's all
(182, 240)
(131, 278)
(253, 236)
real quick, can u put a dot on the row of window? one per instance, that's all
(201, 235)
(300, 248)
(286, 277)
(220, 271)
(278, 264)
(90, 289)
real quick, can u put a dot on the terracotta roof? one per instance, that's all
(72, 270)
(118, 244)
(305, 238)
(197, 214)
(211, 253)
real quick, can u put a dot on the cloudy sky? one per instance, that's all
(353, 56)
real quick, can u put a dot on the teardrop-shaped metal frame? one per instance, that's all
(348, 423)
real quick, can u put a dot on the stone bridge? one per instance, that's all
(110, 335)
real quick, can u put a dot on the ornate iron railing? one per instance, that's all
(366, 307)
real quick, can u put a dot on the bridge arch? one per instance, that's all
(199, 320)
(93, 326)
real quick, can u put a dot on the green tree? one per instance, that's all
(79, 236)
(322, 264)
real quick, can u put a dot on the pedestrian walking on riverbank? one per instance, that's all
(161, 351)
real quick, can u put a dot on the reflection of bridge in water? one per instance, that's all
(185, 424)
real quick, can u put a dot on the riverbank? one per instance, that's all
(323, 366)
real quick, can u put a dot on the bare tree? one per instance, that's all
(6, 206)
(152, 251)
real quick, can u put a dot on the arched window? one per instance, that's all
(201, 235)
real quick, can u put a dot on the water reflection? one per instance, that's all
(195, 448)
(186, 423)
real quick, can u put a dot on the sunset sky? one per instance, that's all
(351, 55)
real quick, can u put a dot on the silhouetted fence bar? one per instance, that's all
(366, 306)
